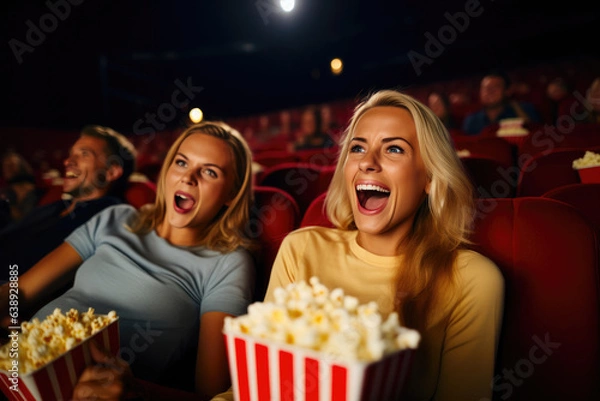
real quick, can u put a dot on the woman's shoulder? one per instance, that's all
(475, 267)
(122, 209)
(121, 213)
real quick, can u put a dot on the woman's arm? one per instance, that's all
(284, 268)
(49, 274)
(472, 333)
(212, 369)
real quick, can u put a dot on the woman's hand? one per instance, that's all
(109, 379)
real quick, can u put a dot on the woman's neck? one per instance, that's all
(386, 244)
(184, 237)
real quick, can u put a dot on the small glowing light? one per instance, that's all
(196, 115)
(287, 5)
(336, 66)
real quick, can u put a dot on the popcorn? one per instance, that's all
(589, 159)
(42, 342)
(310, 316)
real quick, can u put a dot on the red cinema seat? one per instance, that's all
(549, 137)
(315, 214)
(300, 180)
(273, 215)
(490, 178)
(139, 194)
(487, 148)
(543, 172)
(52, 193)
(272, 158)
(549, 345)
(583, 197)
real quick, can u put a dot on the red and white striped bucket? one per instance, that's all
(264, 371)
(56, 380)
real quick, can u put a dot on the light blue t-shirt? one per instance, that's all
(158, 290)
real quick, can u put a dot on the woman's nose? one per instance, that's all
(189, 178)
(369, 162)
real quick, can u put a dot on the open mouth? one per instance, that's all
(372, 197)
(184, 202)
(70, 174)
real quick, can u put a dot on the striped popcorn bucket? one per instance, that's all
(57, 379)
(264, 371)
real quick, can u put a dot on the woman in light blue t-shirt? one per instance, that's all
(172, 271)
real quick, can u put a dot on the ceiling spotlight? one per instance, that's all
(196, 115)
(336, 66)
(287, 5)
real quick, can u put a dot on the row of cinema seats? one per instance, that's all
(547, 251)
(499, 167)
(488, 165)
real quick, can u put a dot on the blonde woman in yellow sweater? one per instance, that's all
(403, 208)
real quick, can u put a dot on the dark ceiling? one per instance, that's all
(111, 62)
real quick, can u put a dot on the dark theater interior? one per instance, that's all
(288, 77)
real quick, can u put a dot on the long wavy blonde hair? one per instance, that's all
(226, 232)
(442, 222)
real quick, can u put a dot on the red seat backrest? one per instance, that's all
(273, 215)
(319, 157)
(272, 158)
(549, 346)
(315, 214)
(139, 194)
(490, 178)
(583, 197)
(52, 193)
(544, 172)
(300, 180)
(549, 137)
(489, 148)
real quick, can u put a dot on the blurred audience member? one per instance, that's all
(593, 97)
(264, 132)
(329, 124)
(20, 194)
(285, 125)
(439, 103)
(96, 175)
(562, 101)
(311, 134)
(496, 105)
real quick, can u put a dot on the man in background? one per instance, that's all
(497, 105)
(96, 174)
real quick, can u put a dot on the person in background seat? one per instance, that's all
(96, 175)
(497, 105)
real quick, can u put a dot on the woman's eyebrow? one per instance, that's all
(205, 164)
(396, 138)
(214, 165)
(384, 140)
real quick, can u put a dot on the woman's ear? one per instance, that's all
(428, 186)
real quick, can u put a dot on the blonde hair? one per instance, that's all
(226, 232)
(443, 221)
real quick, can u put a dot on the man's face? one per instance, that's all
(492, 91)
(86, 169)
